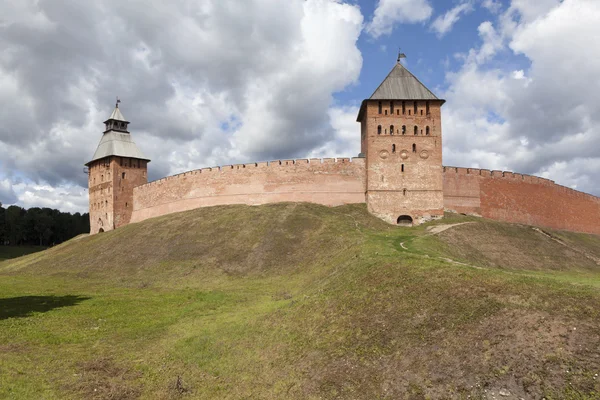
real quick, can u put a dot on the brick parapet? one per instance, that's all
(327, 181)
(520, 198)
(496, 174)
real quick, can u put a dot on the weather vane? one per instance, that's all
(400, 54)
(118, 101)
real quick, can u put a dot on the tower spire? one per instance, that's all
(400, 55)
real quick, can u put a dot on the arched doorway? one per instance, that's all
(405, 220)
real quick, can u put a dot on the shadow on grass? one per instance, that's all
(24, 306)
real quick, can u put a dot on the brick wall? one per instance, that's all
(128, 173)
(101, 195)
(329, 182)
(517, 198)
(403, 145)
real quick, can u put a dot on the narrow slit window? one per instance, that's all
(416, 130)
(427, 108)
(391, 129)
(403, 129)
(421, 112)
(403, 108)
(379, 130)
(402, 167)
(426, 131)
(415, 107)
(414, 147)
(380, 107)
(123, 175)
(404, 192)
(393, 148)
(392, 107)
(408, 112)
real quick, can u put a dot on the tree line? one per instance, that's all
(39, 226)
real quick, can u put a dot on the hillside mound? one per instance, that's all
(301, 301)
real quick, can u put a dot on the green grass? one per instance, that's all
(9, 252)
(300, 301)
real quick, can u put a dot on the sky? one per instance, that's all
(214, 82)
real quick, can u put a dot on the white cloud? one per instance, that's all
(7, 193)
(389, 13)
(493, 6)
(196, 94)
(444, 23)
(541, 120)
(345, 142)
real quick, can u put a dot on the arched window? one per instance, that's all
(403, 129)
(391, 129)
(416, 130)
(380, 107)
(379, 130)
(393, 148)
(427, 131)
(414, 148)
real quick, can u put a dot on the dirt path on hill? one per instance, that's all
(436, 229)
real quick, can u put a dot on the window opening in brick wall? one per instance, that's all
(414, 148)
(416, 130)
(385, 112)
(404, 192)
(421, 112)
(380, 107)
(402, 167)
(123, 175)
(427, 108)
(393, 148)
(415, 107)
(403, 129)
(391, 129)
(426, 131)
(379, 130)
(392, 107)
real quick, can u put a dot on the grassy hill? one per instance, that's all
(299, 301)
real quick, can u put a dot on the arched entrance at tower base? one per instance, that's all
(405, 220)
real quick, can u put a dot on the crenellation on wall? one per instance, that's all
(520, 198)
(325, 181)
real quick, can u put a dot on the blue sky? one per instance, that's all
(242, 81)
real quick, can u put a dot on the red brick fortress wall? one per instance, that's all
(329, 182)
(517, 198)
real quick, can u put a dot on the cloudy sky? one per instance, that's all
(212, 82)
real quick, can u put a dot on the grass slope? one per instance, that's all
(301, 301)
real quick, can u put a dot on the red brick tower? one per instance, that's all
(401, 138)
(116, 168)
